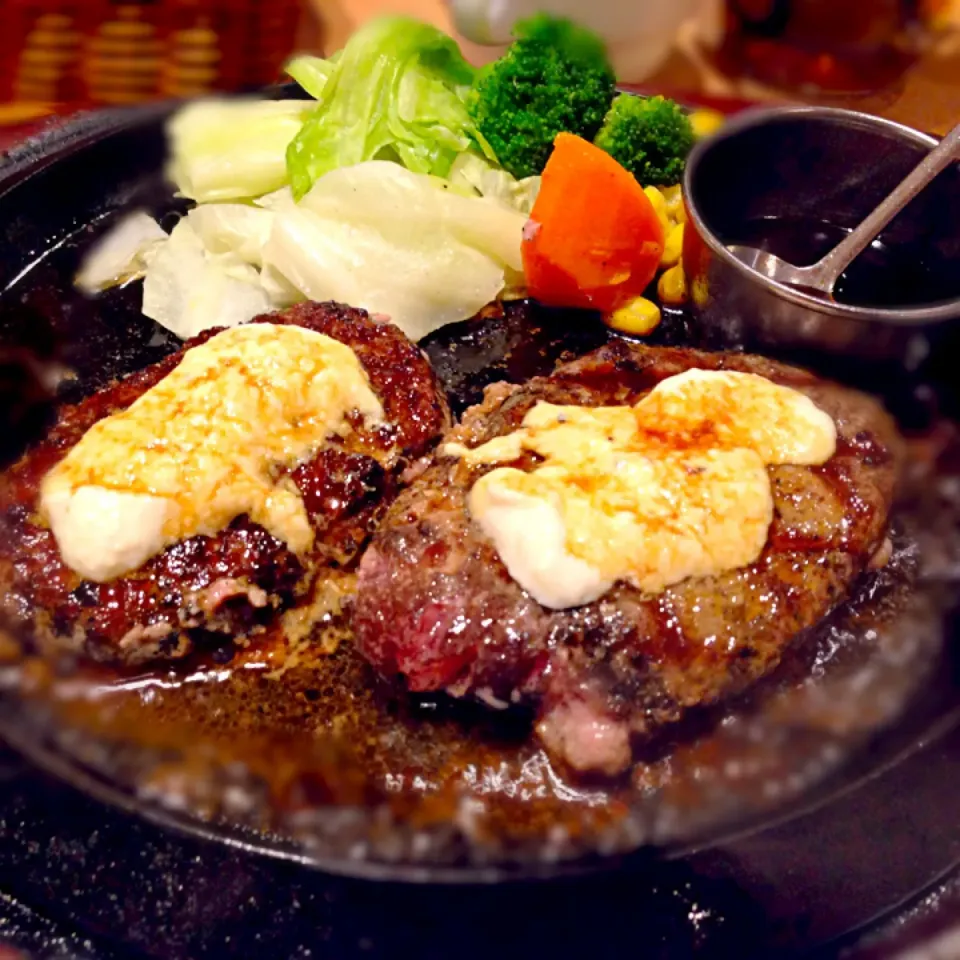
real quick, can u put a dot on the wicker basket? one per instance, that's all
(93, 52)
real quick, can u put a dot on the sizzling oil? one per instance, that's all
(301, 720)
(318, 729)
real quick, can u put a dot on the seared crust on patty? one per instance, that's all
(209, 589)
(436, 605)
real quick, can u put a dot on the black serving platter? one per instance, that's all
(873, 828)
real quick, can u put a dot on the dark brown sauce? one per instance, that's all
(318, 729)
(884, 275)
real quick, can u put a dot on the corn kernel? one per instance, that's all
(672, 247)
(705, 122)
(676, 209)
(659, 206)
(672, 286)
(700, 292)
(640, 316)
(673, 196)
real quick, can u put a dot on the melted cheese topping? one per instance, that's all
(673, 487)
(209, 442)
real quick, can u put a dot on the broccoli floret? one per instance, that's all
(650, 137)
(555, 77)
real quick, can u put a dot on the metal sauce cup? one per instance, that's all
(805, 164)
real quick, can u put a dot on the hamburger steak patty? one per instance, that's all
(437, 606)
(204, 587)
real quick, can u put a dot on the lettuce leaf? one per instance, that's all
(312, 73)
(232, 150)
(121, 254)
(233, 228)
(406, 245)
(187, 289)
(395, 92)
(409, 209)
(395, 242)
(481, 176)
(420, 285)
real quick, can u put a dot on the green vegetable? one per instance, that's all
(232, 150)
(477, 175)
(555, 77)
(390, 241)
(395, 92)
(650, 137)
(312, 73)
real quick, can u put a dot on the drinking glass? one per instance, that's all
(821, 47)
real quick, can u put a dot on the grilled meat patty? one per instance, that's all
(437, 606)
(211, 588)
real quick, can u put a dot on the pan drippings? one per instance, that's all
(309, 746)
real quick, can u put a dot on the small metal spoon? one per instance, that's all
(822, 275)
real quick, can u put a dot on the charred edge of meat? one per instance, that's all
(205, 590)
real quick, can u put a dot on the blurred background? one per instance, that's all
(898, 57)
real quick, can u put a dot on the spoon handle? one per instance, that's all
(834, 263)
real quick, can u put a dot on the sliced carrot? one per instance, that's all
(594, 239)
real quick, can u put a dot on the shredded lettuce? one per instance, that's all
(395, 92)
(232, 150)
